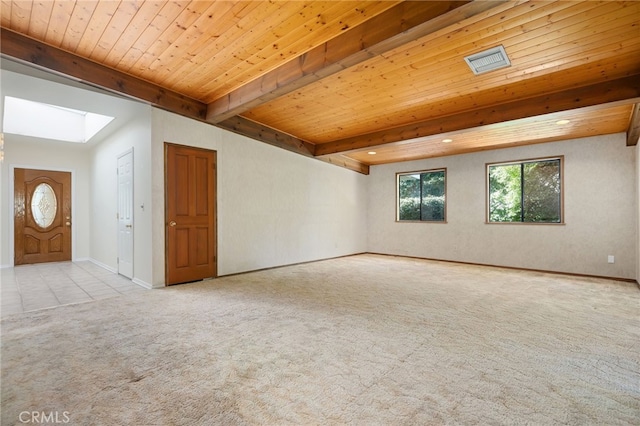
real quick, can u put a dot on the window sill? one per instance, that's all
(527, 223)
(422, 221)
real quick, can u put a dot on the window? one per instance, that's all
(528, 191)
(421, 196)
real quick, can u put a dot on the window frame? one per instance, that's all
(520, 162)
(439, 169)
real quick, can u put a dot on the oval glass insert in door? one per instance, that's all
(44, 205)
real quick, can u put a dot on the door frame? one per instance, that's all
(165, 209)
(133, 240)
(11, 230)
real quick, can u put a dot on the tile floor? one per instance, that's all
(31, 287)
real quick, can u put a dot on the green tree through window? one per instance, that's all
(421, 196)
(528, 191)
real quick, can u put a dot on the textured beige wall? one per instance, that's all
(274, 207)
(600, 210)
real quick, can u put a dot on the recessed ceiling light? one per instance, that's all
(561, 122)
(447, 140)
(372, 153)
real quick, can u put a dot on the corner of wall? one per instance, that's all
(637, 210)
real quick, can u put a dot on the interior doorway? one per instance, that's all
(42, 216)
(125, 214)
(190, 213)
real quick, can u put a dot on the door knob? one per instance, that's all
(172, 223)
(68, 223)
(127, 226)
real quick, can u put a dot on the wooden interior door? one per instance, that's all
(42, 216)
(190, 212)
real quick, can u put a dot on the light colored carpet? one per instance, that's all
(361, 340)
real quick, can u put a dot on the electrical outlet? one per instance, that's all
(611, 259)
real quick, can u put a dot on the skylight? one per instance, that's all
(28, 118)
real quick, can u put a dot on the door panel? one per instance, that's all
(42, 216)
(125, 214)
(190, 193)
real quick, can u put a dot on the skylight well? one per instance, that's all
(28, 118)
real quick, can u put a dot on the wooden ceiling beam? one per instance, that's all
(26, 49)
(347, 163)
(251, 129)
(633, 132)
(397, 26)
(624, 90)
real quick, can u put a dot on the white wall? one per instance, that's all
(27, 152)
(136, 135)
(637, 207)
(274, 207)
(92, 165)
(30, 153)
(600, 210)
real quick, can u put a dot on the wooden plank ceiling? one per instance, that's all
(338, 80)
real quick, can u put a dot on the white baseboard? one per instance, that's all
(137, 281)
(102, 265)
(142, 283)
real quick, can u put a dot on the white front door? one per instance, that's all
(125, 214)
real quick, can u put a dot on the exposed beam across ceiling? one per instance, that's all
(26, 49)
(50, 58)
(346, 162)
(282, 140)
(622, 90)
(633, 132)
(397, 26)
(268, 135)
(407, 83)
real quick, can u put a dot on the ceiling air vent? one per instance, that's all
(488, 60)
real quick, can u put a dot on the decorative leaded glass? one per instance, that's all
(44, 205)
